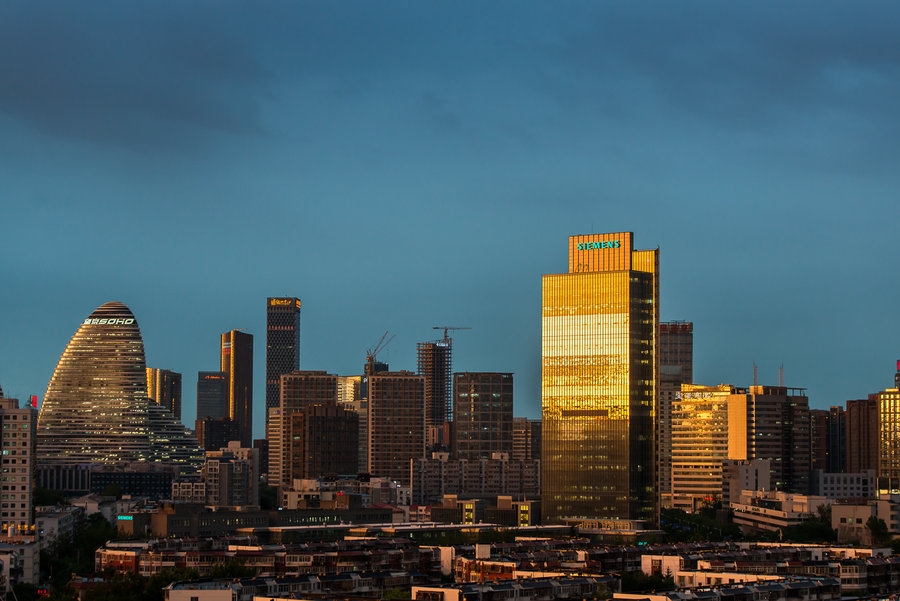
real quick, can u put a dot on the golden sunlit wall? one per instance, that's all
(598, 381)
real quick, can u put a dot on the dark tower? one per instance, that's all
(282, 346)
(237, 363)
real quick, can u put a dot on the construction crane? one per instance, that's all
(448, 328)
(379, 346)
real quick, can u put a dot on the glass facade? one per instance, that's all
(599, 378)
(236, 362)
(699, 443)
(96, 409)
(282, 344)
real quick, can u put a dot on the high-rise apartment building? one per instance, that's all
(676, 367)
(483, 414)
(236, 360)
(396, 423)
(164, 388)
(317, 437)
(862, 434)
(96, 408)
(435, 361)
(282, 344)
(599, 378)
(18, 432)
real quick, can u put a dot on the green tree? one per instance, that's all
(268, 497)
(878, 531)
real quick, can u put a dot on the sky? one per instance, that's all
(405, 165)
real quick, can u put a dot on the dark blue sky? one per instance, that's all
(403, 165)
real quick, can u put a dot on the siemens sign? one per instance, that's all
(598, 245)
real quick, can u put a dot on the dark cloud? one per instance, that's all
(113, 74)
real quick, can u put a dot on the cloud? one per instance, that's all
(158, 78)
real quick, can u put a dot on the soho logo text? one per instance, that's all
(108, 322)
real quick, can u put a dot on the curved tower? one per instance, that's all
(96, 409)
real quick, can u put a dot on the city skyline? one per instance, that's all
(408, 166)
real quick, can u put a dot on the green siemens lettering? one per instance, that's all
(598, 245)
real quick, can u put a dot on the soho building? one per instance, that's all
(599, 378)
(96, 409)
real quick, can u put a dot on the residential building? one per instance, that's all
(18, 432)
(396, 423)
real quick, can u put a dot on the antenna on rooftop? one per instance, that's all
(755, 374)
(781, 376)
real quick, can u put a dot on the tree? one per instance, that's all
(878, 530)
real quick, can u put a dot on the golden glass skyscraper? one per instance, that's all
(599, 376)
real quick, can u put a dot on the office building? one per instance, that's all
(676, 367)
(212, 394)
(599, 379)
(236, 361)
(889, 438)
(772, 423)
(215, 432)
(164, 388)
(396, 423)
(18, 431)
(96, 409)
(818, 438)
(700, 444)
(483, 414)
(282, 344)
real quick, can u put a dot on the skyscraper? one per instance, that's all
(483, 412)
(164, 388)
(282, 345)
(599, 378)
(236, 360)
(212, 394)
(96, 409)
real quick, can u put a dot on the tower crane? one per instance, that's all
(448, 328)
(379, 346)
